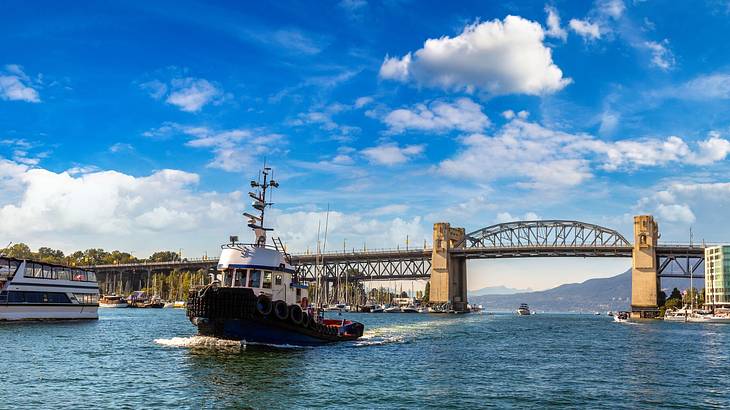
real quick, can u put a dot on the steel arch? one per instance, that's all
(547, 233)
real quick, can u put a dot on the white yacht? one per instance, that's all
(112, 301)
(523, 310)
(31, 290)
(677, 315)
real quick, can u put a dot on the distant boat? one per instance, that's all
(621, 317)
(409, 309)
(112, 301)
(179, 304)
(597, 313)
(392, 309)
(523, 310)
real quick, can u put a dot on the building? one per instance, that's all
(717, 276)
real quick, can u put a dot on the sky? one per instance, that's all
(138, 125)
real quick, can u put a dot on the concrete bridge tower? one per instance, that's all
(644, 278)
(448, 274)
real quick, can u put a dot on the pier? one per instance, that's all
(445, 263)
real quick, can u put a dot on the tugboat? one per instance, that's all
(255, 295)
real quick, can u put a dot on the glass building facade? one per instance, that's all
(717, 276)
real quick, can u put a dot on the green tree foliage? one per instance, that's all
(164, 256)
(18, 250)
(427, 292)
(676, 294)
(661, 298)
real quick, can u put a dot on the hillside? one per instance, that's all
(602, 294)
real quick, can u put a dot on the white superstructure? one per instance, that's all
(32, 290)
(263, 268)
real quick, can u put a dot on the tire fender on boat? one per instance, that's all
(296, 314)
(281, 310)
(263, 305)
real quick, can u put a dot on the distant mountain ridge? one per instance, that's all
(497, 290)
(600, 295)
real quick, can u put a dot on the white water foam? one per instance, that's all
(206, 342)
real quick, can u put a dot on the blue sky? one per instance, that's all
(137, 126)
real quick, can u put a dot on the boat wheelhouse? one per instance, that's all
(31, 290)
(255, 295)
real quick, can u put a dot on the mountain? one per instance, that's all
(497, 290)
(601, 294)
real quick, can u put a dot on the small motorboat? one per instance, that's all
(112, 301)
(523, 310)
(392, 309)
(409, 309)
(621, 317)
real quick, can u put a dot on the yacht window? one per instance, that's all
(254, 279)
(236, 273)
(91, 276)
(48, 273)
(7, 268)
(267, 280)
(79, 275)
(227, 278)
(278, 280)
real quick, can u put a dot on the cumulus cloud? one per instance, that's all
(100, 202)
(504, 217)
(497, 57)
(553, 24)
(537, 157)
(585, 29)
(438, 116)
(15, 85)
(392, 154)
(188, 94)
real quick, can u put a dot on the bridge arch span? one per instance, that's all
(544, 233)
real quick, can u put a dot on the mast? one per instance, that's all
(260, 203)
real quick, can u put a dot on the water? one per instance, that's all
(150, 358)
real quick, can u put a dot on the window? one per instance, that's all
(91, 276)
(254, 279)
(86, 298)
(267, 280)
(79, 275)
(48, 273)
(277, 282)
(237, 276)
(8, 268)
(38, 297)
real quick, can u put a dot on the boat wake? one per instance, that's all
(203, 342)
(206, 342)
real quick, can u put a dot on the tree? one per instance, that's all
(19, 250)
(661, 298)
(676, 294)
(673, 304)
(427, 292)
(164, 256)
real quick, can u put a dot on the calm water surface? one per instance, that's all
(149, 358)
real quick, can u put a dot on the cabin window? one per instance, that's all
(227, 278)
(79, 275)
(8, 267)
(267, 280)
(38, 297)
(236, 274)
(299, 295)
(277, 282)
(254, 279)
(91, 276)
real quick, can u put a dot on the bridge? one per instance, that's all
(444, 264)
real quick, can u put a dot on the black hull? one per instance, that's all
(235, 314)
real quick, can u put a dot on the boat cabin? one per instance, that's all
(263, 269)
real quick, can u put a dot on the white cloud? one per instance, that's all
(661, 56)
(703, 87)
(612, 8)
(504, 217)
(235, 149)
(101, 202)
(15, 85)
(439, 116)
(586, 29)
(298, 230)
(363, 101)
(188, 94)
(392, 154)
(497, 57)
(323, 117)
(553, 24)
(675, 213)
(609, 122)
(537, 157)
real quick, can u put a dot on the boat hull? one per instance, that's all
(113, 305)
(235, 314)
(54, 312)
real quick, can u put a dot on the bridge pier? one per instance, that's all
(448, 272)
(644, 276)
